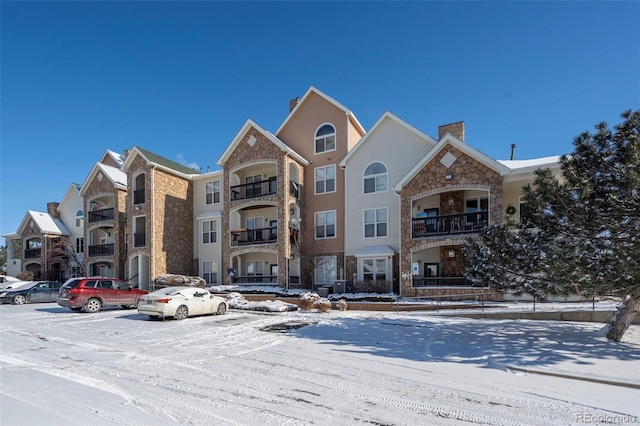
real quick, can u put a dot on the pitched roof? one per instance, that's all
(160, 161)
(45, 223)
(388, 116)
(270, 136)
(311, 90)
(115, 175)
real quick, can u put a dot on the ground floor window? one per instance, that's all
(255, 268)
(374, 269)
(325, 269)
(210, 271)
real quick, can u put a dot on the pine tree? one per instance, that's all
(583, 232)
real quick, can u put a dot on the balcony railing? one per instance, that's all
(101, 215)
(255, 279)
(254, 236)
(102, 250)
(449, 224)
(138, 196)
(32, 253)
(441, 282)
(254, 189)
(139, 240)
(294, 189)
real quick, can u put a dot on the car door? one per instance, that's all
(37, 293)
(51, 292)
(108, 292)
(125, 295)
(198, 303)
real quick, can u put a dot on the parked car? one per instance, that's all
(6, 278)
(10, 285)
(181, 302)
(90, 294)
(35, 292)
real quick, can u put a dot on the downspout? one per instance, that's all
(345, 223)
(152, 259)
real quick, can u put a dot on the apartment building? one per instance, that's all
(318, 203)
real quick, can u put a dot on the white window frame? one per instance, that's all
(321, 220)
(325, 138)
(80, 245)
(380, 179)
(79, 219)
(324, 179)
(210, 235)
(379, 266)
(258, 265)
(377, 212)
(479, 199)
(325, 270)
(210, 271)
(212, 192)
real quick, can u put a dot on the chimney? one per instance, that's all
(293, 103)
(52, 209)
(513, 151)
(456, 130)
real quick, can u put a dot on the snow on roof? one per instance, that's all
(117, 157)
(116, 175)
(516, 165)
(48, 224)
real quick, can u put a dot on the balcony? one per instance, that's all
(254, 236)
(101, 250)
(294, 189)
(138, 196)
(32, 253)
(255, 279)
(254, 189)
(452, 224)
(101, 215)
(441, 282)
(139, 240)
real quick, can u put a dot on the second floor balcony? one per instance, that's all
(464, 223)
(254, 236)
(101, 215)
(254, 189)
(139, 240)
(32, 253)
(102, 250)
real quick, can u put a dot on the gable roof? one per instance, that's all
(117, 177)
(388, 116)
(116, 157)
(159, 161)
(271, 137)
(45, 223)
(465, 148)
(311, 90)
(74, 187)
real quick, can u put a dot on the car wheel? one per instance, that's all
(92, 305)
(222, 308)
(181, 313)
(19, 299)
(76, 309)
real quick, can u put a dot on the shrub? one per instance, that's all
(378, 286)
(25, 276)
(323, 305)
(170, 280)
(342, 304)
(308, 299)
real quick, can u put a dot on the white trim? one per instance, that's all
(335, 179)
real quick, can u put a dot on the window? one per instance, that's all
(255, 268)
(325, 139)
(325, 269)
(473, 205)
(525, 211)
(79, 219)
(209, 232)
(253, 185)
(326, 224)
(375, 178)
(139, 189)
(375, 222)
(374, 269)
(80, 245)
(210, 271)
(325, 179)
(212, 192)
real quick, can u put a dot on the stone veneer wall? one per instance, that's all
(467, 174)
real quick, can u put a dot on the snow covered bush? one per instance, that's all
(342, 304)
(237, 301)
(25, 276)
(308, 299)
(322, 305)
(171, 280)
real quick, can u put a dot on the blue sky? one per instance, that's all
(181, 78)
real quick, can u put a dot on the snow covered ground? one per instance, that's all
(342, 368)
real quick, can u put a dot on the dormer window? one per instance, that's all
(325, 139)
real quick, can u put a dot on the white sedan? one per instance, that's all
(181, 302)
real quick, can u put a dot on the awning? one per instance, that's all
(375, 251)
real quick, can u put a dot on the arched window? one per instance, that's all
(325, 138)
(375, 178)
(79, 219)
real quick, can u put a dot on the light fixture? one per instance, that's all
(448, 176)
(452, 253)
(450, 200)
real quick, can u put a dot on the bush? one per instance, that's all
(308, 299)
(378, 286)
(25, 276)
(322, 305)
(342, 304)
(170, 280)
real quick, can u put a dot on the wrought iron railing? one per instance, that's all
(32, 253)
(101, 215)
(449, 224)
(139, 240)
(102, 250)
(254, 279)
(138, 196)
(254, 189)
(254, 236)
(441, 282)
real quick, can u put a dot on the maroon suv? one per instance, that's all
(92, 293)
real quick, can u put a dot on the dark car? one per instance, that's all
(36, 292)
(90, 294)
